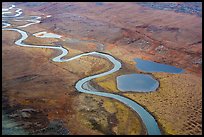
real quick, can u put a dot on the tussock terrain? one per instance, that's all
(40, 94)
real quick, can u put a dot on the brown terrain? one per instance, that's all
(37, 92)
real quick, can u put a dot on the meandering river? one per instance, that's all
(148, 120)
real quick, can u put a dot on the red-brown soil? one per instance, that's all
(31, 80)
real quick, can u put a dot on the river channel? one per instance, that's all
(148, 120)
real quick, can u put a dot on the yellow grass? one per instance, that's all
(176, 103)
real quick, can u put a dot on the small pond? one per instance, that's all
(137, 83)
(46, 35)
(150, 66)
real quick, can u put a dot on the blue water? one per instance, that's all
(148, 120)
(149, 66)
(99, 3)
(137, 82)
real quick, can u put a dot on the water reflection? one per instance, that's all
(137, 82)
(149, 66)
